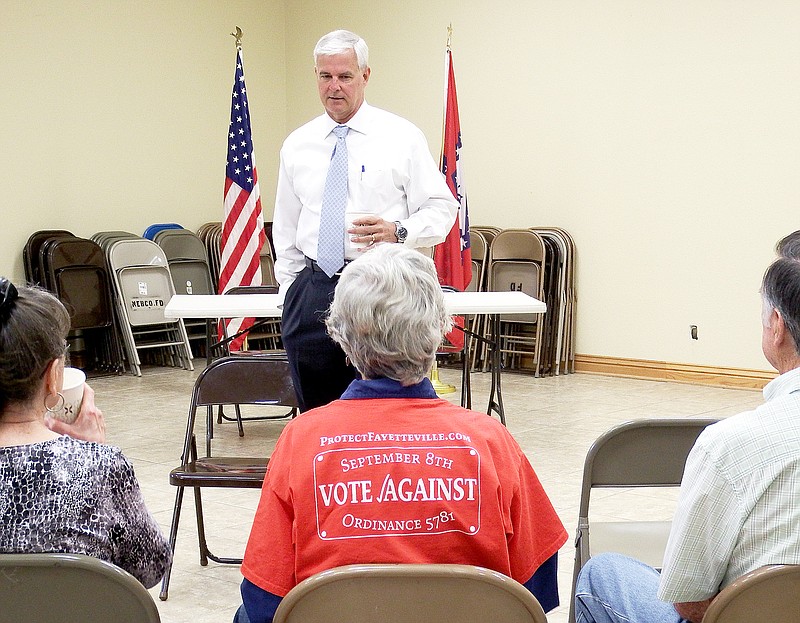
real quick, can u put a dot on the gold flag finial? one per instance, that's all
(449, 35)
(238, 36)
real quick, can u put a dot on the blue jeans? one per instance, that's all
(613, 588)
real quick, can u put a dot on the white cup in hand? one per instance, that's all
(351, 248)
(72, 390)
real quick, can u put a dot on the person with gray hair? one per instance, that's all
(739, 504)
(61, 488)
(354, 177)
(391, 473)
(789, 246)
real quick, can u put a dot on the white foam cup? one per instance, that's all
(72, 390)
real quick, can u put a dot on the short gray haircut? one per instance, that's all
(781, 291)
(789, 246)
(32, 334)
(339, 42)
(388, 314)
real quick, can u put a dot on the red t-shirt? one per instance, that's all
(398, 480)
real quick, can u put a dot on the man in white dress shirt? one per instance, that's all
(392, 180)
(739, 505)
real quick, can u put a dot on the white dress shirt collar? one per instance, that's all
(359, 122)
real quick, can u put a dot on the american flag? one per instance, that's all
(453, 257)
(243, 229)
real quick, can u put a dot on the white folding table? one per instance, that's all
(492, 304)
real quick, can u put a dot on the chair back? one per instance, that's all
(151, 231)
(71, 588)
(517, 261)
(30, 252)
(245, 380)
(427, 593)
(771, 592)
(640, 453)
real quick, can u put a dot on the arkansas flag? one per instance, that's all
(243, 228)
(453, 257)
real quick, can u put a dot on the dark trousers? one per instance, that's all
(320, 372)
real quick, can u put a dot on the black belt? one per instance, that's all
(312, 264)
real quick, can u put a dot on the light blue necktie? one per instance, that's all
(330, 247)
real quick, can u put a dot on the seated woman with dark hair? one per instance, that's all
(62, 492)
(390, 473)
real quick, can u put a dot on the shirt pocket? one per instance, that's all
(377, 190)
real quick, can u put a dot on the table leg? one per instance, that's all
(495, 393)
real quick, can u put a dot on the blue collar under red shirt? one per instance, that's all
(388, 388)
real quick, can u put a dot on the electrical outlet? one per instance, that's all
(693, 331)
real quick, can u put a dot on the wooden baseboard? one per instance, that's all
(740, 378)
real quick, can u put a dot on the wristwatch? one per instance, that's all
(401, 232)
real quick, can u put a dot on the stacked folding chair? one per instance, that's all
(559, 349)
(143, 286)
(30, 252)
(211, 235)
(191, 274)
(539, 261)
(518, 261)
(74, 269)
(477, 323)
(151, 231)
(267, 259)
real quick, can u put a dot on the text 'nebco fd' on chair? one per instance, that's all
(640, 453)
(226, 381)
(517, 262)
(771, 593)
(418, 593)
(70, 588)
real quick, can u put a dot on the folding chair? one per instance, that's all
(264, 330)
(71, 588)
(517, 261)
(30, 252)
(476, 322)
(190, 271)
(229, 380)
(640, 453)
(267, 260)
(413, 593)
(151, 231)
(143, 287)
(77, 274)
(210, 233)
(771, 592)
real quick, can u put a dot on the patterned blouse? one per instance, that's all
(66, 495)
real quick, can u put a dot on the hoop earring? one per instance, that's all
(57, 406)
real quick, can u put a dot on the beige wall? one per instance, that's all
(115, 113)
(665, 136)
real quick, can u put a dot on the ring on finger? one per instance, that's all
(373, 239)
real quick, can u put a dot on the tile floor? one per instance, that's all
(554, 419)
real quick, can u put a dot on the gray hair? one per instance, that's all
(339, 42)
(781, 291)
(789, 246)
(32, 334)
(388, 314)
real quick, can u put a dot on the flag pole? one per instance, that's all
(439, 387)
(243, 227)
